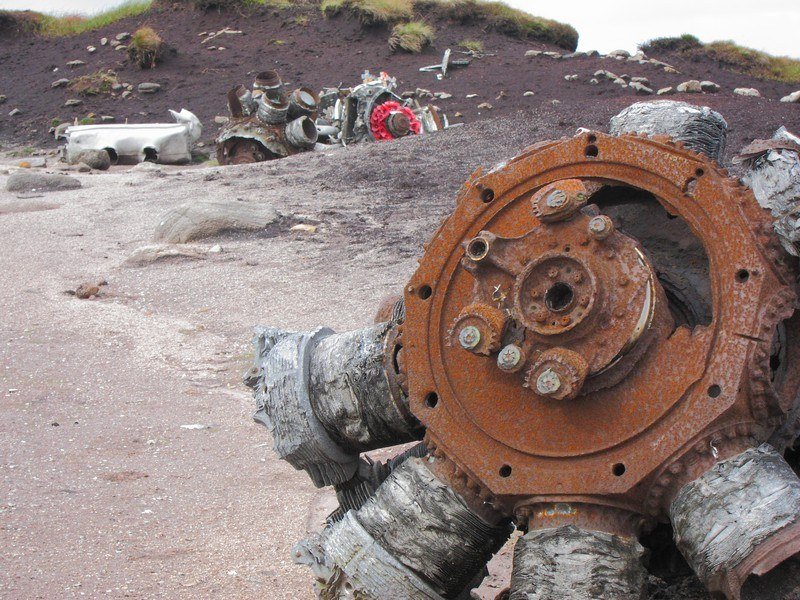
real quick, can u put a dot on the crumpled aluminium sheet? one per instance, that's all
(169, 143)
(774, 178)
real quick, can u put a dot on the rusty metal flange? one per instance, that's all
(653, 392)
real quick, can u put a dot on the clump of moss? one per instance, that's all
(471, 45)
(730, 56)
(94, 84)
(145, 48)
(371, 12)
(50, 26)
(411, 37)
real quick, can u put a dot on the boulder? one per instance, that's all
(709, 86)
(147, 255)
(198, 220)
(95, 159)
(666, 91)
(690, 87)
(148, 88)
(31, 181)
(640, 88)
(793, 97)
(642, 80)
(747, 92)
(619, 54)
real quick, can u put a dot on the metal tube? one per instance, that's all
(301, 133)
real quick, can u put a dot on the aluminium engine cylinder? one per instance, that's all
(301, 133)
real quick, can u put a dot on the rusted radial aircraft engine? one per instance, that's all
(600, 337)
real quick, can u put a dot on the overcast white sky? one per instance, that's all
(605, 25)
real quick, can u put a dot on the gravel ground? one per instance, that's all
(103, 491)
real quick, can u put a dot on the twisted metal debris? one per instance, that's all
(601, 336)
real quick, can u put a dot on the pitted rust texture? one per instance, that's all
(544, 356)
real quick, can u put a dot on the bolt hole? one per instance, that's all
(348, 587)
(699, 172)
(487, 195)
(477, 249)
(618, 470)
(742, 275)
(431, 400)
(592, 151)
(505, 471)
(559, 297)
(714, 391)
(592, 139)
(425, 292)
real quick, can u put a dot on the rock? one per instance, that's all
(621, 82)
(407, 94)
(3, 99)
(125, 94)
(215, 249)
(73, 102)
(671, 70)
(147, 167)
(666, 91)
(59, 83)
(593, 53)
(36, 162)
(709, 86)
(59, 130)
(502, 94)
(555, 102)
(619, 54)
(104, 41)
(116, 87)
(530, 53)
(554, 55)
(221, 120)
(147, 255)
(571, 77)
(485, 106)
(121, 37)
(443, 95)
(15, 112)
(95, 159)
(86, 290)
(640, 88)
(29, 181)
(690, 87)
(107, 119)
(304, 227)
(198, 220)
(470, 96)
(83, 168)
(642, 80)
(593, 81)
(625, 77)
(458, 115)
(121, 47)
(793, 97)
(91, 49)
(423, 93)
(113, 43)
(75, 63)
(747, 92)
(528, 94)
(638, 56)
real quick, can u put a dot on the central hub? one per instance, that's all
(554, 294)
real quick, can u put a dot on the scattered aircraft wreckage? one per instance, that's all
(266, 123)
(602, 336)
(129, 143)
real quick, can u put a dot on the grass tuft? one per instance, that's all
(51, 26)
(94, 84)
(732, 57)
(146, 48)
(411, 37)
(471, 45)
(371, 12)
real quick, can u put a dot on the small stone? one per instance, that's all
(642, 80)
(554, 55)
(640, 88)
(59, 130)
(666, 91)
(86, 290)
(625, 77)
(121, 47)
(555, 102)
(304, 227)
(709, 86)
(593, 81)
(502, 94)
(75, 63)
(33, 163)
(83, 168)
(619, 54)
(104, 41)
(221, 48)
(148, 88)
(671, 70)
(621, 82)
(573, 77)
(531, 53)
(747, 92)
(690, 87)
(793, 97)
(485, 106)
(423, 93)
(221, 120)
(470, 96)
(407, 94)
(107, 119)
(73, 102)
(113, 43)
(215, 249)
(116, 87)
(528, 94)
(94, 159)
(125, 94)
(443, 95)
(593, 53)
(91, 49)
(59, 83)
(121, 37)
(15, 112)
(638, 56)
(458, 115)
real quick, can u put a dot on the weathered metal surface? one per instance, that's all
(740, 517)
(169, 143)
(654, 391)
